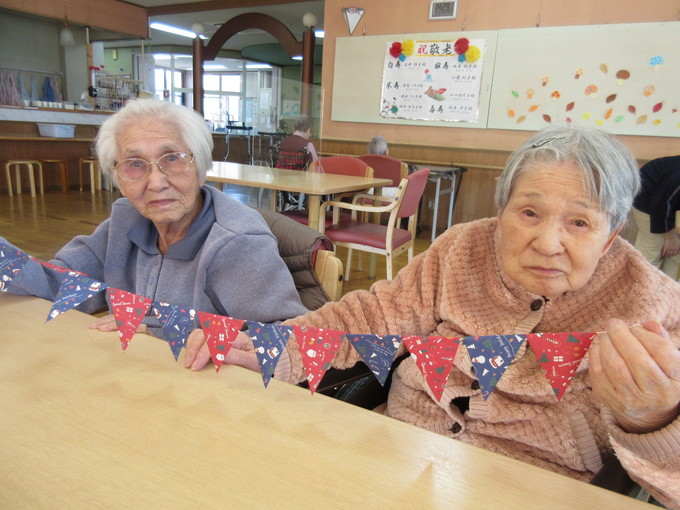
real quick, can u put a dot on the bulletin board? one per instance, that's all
(359, 70)
(622, 78)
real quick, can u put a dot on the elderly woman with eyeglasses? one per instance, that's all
(172, 238)
(552, 261)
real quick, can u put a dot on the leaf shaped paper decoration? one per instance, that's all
(521, 119)
(569, 107)
(608, 114)
(547, 118)
(657, 107)
(511, 112)
(610, 98)
(533, 108)
(631, 109)
(642, 119)
(515, 93)
(674, 110)
(603, 68)
(619, 118)
(656, 122)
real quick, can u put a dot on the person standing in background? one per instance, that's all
(378, 145)
(654, 211)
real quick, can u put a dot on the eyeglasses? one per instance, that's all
(172, 164)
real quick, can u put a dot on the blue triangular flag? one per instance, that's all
(177, 323)
(11, 261)
(269, 341)
(377, 351)
(75, 288)
(491, 355)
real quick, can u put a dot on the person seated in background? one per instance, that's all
(654, 211)
(378, 145)
(296, 152)
(171, 238)
(552, 261)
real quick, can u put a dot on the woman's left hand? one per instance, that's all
(635, 371)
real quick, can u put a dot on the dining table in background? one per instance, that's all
(85, 425)
(313, 184)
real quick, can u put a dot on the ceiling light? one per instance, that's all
(319, 34)
(66, 36)
(258, 66)
(174, 30)
(297, 57)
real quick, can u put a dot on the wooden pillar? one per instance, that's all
(308, 43)
(198, 74)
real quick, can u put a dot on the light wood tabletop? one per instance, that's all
(84, 425)
(312, 184)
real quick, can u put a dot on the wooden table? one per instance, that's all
(84, 425)
(313, 184)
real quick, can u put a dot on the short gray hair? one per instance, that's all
(378, 145)
(191, 127)
(609, 170)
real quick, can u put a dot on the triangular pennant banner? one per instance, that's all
(129, 310)
(317, 347)
(220, 333)
(491, 356)
(75, 288)
(11, 262)
(559, 355)
(377, 351)
(177, 323)
(352, 17)
(434, 357)
(269, 341)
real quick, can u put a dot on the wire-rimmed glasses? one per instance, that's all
(172, 164)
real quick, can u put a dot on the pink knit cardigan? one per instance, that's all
(456, 288)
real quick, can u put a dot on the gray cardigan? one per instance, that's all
(228, 263)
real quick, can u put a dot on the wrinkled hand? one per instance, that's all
(671, 245)
(242, 352)
(108, 323)
(635, 371)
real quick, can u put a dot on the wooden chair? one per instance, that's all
(389, 240)
(339, 165)
(28, 165)
(386, 167)
(95, 175)
(63, 171)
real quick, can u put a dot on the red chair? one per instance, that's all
(386, 167)
(389, 240)
(340, 165)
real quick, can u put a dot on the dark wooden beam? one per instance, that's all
(213, 5)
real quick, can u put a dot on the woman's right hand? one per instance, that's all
(242, 352)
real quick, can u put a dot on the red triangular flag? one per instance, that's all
(220, 333)
(559, 355)
(129, 310)
(317, 348)
(434, 357)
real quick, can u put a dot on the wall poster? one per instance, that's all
(433, 80)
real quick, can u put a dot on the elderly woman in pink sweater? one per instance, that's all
(552, 261)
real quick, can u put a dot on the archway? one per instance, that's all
(270, 25)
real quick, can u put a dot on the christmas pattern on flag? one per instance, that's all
(559, 355)
(75, 288)
(220, 333)
(129, 310)
(269, 341)
(317, 348)
(434, 357)
(491, 356)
